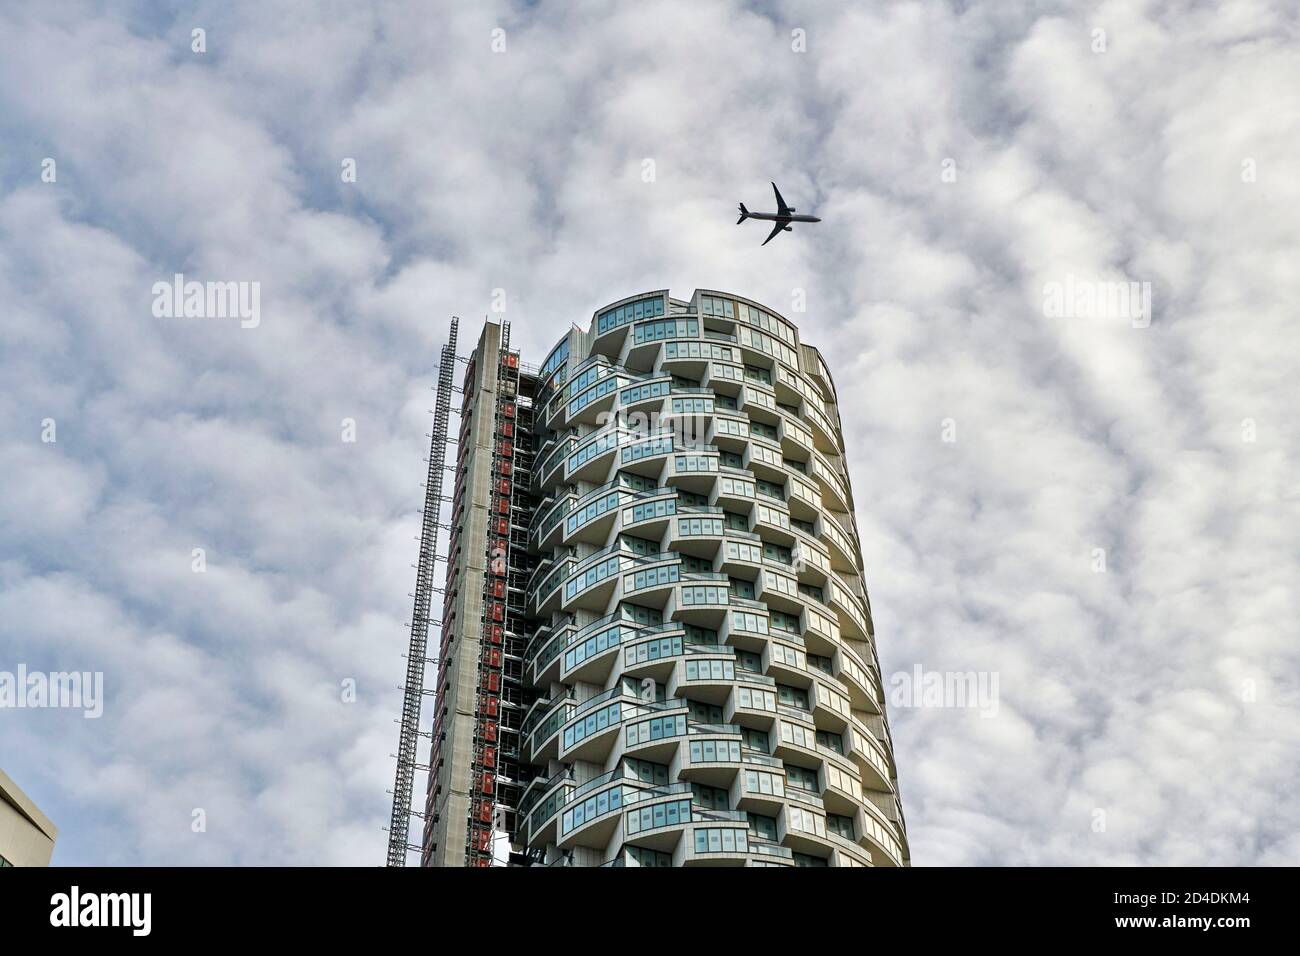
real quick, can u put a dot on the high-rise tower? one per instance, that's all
(657, 647)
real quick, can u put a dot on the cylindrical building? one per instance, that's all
(700, 678)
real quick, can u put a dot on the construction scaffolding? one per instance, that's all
(416, 655)
(495, 768)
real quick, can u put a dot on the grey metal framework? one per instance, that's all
(413, 690)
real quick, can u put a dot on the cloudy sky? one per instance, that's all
(965, 158)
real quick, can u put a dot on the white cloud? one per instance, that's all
(1161, 692)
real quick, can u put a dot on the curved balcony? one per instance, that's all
(825, 435)
(771, 521)
(779, 590)
(786, 659)
(717, 838)
(741, 555)
(701, 599)
(805, 501)
(870, 756)
(841, 786)
(790, 386)
(652, 579)
(593, 402)
(735, 490)
(705, 673)
(857, 679)
(653, 652)
(796, 440)
(649, 516)
(821, 628)
(539, 815)
(753, 701)
(589, 654)
(618, 317)
(879, 840)
(765, 853)
(696, 531)
(843, 555)
(758, 401)
(760, 788)
(593, 581)
(545, 598)
(592, 516)
(853, 621)
(547, 529)
(551, 463)
(542, 659)
(692, 358)
(594, 811)
(647, 395)
(645, 455)
(830, 707)
(795, 741)
(801, 825)
(551, 412)
(728, 431)
(657, 822)
(713, 755)
(541, 738)
(845, 852)
(656, 732)
(834, 491)
(748, 625)
(693, 469)
(593, 457)
(650, 335)
(764, 460)
(811, 566)
(593, 726)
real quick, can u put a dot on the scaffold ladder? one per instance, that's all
(413, 691)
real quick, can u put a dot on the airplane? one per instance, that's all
(783, 216)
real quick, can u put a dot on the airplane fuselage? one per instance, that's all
(777, 217)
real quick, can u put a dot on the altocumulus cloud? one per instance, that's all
(963, 161)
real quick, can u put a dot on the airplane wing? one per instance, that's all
(781, 208)
(775, 230)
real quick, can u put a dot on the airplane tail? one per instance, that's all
(744, 214)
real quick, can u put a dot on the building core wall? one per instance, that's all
(447, 806)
